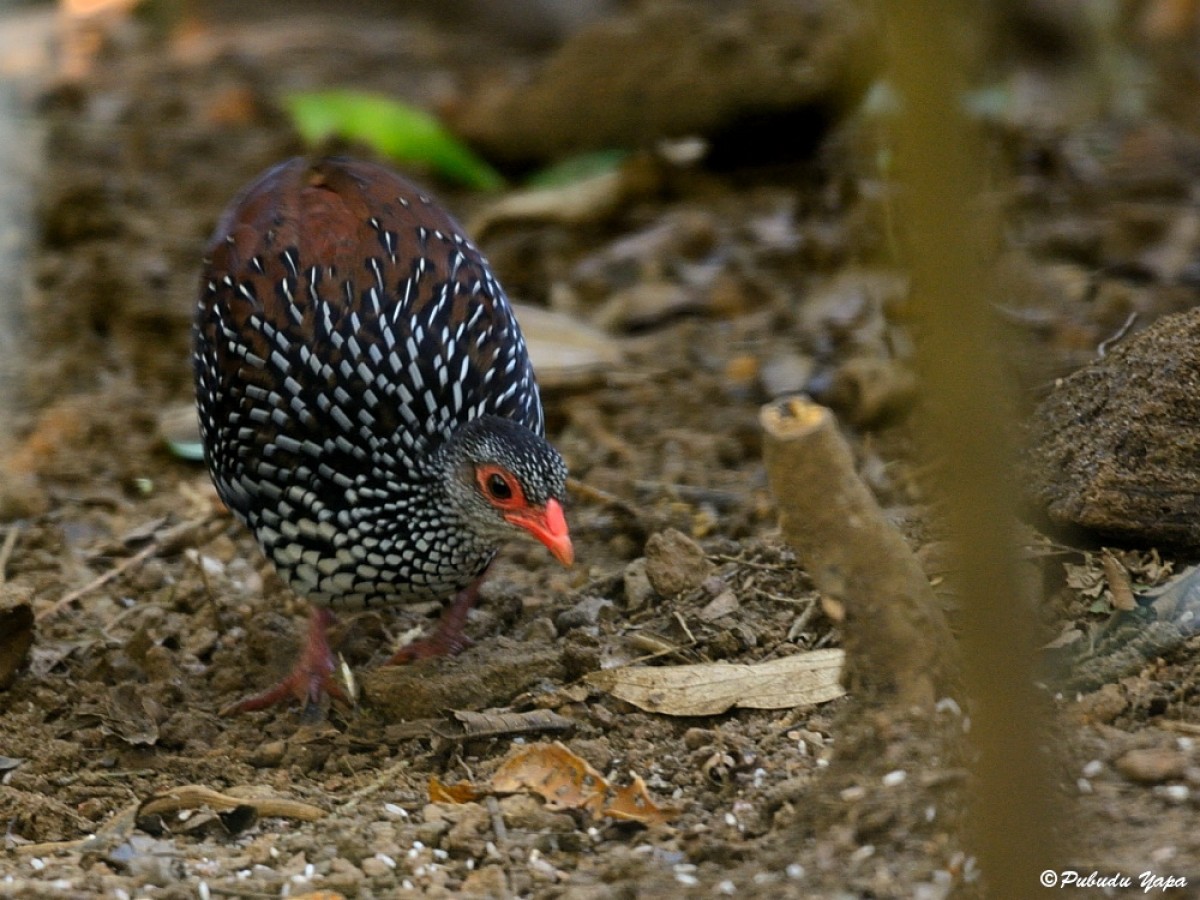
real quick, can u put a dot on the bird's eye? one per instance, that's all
(499, 487)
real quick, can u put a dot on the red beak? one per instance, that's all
(549, 526)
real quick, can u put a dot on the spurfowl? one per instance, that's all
(366, 402)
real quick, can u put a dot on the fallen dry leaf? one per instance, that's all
(463, 792)
(708, 689)
(633, 803)
(563, 779)
(568, 353)
(1118, 582)
(494, 724)
(587, 200)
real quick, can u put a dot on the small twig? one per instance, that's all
(170, 536)
(802, 620)
(10, 541)
(589, 421)
(780, 598)
(498, 826)
(1102, 350)
(684, 625)
(387, 776)
(693, 494)
(750, 564)
(599, 495)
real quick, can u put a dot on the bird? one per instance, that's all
(367, 404)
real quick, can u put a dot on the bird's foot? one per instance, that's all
(312, 678)
(448, 638)
(436, 644)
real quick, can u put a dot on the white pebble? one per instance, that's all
(948, 704)
(386, 860)
(894, 778)
(393, 809)
(685, 879)
(795, 871)
(1174, 793)
(863, 853)
(1093, 768)
(37, 864)
(727, 887)
(1083, 785)
(203, 891)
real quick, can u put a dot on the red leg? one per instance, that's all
(447, 638)
(310, 679)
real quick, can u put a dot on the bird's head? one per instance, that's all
(501, 476)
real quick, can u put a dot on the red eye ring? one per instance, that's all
(500, 487)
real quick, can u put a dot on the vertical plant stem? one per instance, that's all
(939, 163)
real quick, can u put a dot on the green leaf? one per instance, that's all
(577, 168)
(391, 128)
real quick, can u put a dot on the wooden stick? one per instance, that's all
(169, 538)
(896, 637)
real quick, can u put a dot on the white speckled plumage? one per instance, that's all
(353, 355)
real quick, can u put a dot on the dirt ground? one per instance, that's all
(720, 287)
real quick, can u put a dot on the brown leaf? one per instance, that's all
(633, 803)
(463, 792)
(564, 780)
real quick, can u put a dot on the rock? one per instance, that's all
(268, 754)
(675, 563)
(1152, 765)
(471, 681)
(763, 75)
(1113, 450)
(786, 373)
(486, 882)
(469, 833)
(587, 612)
(724, 604)
(523, 812)
(21, 495)
(869, 390)
(638, 590)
